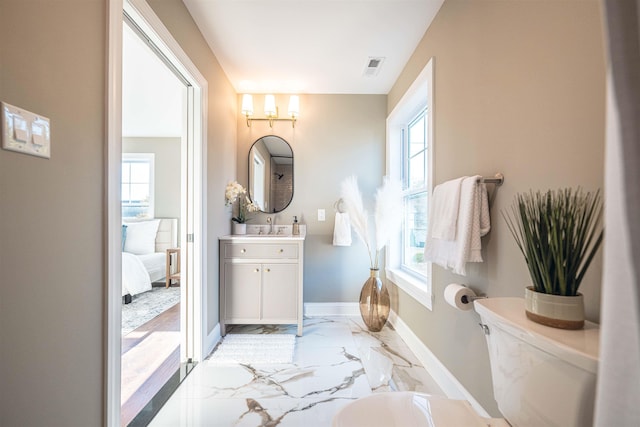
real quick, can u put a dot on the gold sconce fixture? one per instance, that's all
(271, 110)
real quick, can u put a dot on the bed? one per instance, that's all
(144, 246)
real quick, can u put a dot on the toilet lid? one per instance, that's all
(408, 409)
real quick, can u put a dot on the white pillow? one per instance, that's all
(141, 237)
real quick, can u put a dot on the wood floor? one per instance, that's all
(150, 356)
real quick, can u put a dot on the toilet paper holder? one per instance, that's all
(469, 298)
(460, 296)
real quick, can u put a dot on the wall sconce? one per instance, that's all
(271, 110)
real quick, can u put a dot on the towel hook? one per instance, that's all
(339, 206)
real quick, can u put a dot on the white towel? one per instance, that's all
(342, 230)
(473, 222)
(444, 209)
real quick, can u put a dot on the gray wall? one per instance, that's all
(336, 136)
(519, 89)
(51, 216)
(167, 171)
(221, 137)
(52, 297)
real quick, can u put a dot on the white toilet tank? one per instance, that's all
(542, 376)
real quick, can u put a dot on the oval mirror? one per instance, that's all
(271, 174)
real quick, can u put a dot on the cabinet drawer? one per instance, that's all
(251, 250)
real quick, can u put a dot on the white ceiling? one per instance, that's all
(312, 46)
(278, 46)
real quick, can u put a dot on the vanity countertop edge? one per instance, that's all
(262, 238)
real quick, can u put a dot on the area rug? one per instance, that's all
(147, 305)
(255, 349)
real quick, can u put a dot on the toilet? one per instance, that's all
(541, 376)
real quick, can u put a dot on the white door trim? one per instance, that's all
(113, 216)
(195, 308)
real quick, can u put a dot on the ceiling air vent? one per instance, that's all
(373, 66)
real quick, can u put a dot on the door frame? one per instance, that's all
(193, 234)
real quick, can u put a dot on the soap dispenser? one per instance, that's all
(295, 228)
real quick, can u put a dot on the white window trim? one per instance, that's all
(151, 159)
(413, 286)
(419, 93)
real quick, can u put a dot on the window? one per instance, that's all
(409, 147)
(137, 185)
(414, 178)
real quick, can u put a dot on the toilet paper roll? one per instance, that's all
(458, 296)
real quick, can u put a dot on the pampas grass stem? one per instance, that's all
(388, 214)
(352, 198)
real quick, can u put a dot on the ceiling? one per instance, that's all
(312, 46)
(278, 46)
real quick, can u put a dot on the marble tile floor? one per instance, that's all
(336, 361)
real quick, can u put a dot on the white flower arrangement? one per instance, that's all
(236, 192)
(388, 214)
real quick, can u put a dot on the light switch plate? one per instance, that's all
(25, 132)
(321, 215)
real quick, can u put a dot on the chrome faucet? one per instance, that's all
(270, 225)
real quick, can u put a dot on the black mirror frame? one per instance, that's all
(293, 187)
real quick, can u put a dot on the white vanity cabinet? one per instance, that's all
(261, 280)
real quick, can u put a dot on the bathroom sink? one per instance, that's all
(273, 238)
(274, 231)
(268, 235)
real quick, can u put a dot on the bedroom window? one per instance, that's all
(410, 145)
(137, 185)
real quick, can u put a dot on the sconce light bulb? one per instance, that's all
(247, 105)
(270, 106)
(294, 106)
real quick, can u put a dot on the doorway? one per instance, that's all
(191, 233)
(154, 116)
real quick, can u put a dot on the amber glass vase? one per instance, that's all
(374, 302)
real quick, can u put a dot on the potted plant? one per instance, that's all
(558, 232)
(236, 192)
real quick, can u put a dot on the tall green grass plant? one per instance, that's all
(559, 233)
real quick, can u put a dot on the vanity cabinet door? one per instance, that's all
(242, 291)
(280, 292)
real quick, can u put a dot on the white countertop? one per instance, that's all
(280, 233)
(262, 237)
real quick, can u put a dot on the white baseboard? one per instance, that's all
(318, 309)
(212, 339)
(442, 376)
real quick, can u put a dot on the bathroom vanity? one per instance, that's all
(261, 278)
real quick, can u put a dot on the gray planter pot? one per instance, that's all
(554, 310)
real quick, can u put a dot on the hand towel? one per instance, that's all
(444, 213)
(472, 222)
(342, 230)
